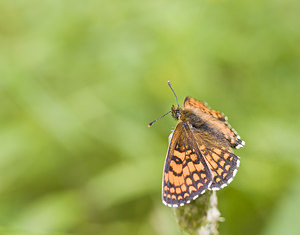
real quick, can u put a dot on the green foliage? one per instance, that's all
(80, 81)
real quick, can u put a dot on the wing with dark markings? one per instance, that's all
(186, 174)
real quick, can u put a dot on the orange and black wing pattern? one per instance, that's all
(223, 164)
(199, 157)
(215, 139)
(215, 118)
(186, 173)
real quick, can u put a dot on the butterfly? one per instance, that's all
(199, 156)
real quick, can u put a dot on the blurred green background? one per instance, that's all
(80, 81)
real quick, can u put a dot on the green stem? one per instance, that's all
(201, 216)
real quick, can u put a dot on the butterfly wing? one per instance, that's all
(215, 139)
(216, 119)
(186, 174)
(222, 163)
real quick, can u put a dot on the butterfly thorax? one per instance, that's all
(176, 112)
(186, 115)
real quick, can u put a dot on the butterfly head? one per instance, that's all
(176, 112)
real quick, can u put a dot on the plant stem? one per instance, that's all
(201, 216)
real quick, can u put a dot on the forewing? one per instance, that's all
(186, 174)
(215, 119)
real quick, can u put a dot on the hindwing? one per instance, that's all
(223, 164)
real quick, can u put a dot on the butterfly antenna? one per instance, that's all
(151, 123)
(169, 83)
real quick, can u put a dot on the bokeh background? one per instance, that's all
(80, 81)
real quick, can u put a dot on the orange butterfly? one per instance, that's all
(199, 157)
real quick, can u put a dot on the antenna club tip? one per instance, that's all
(148, 125)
